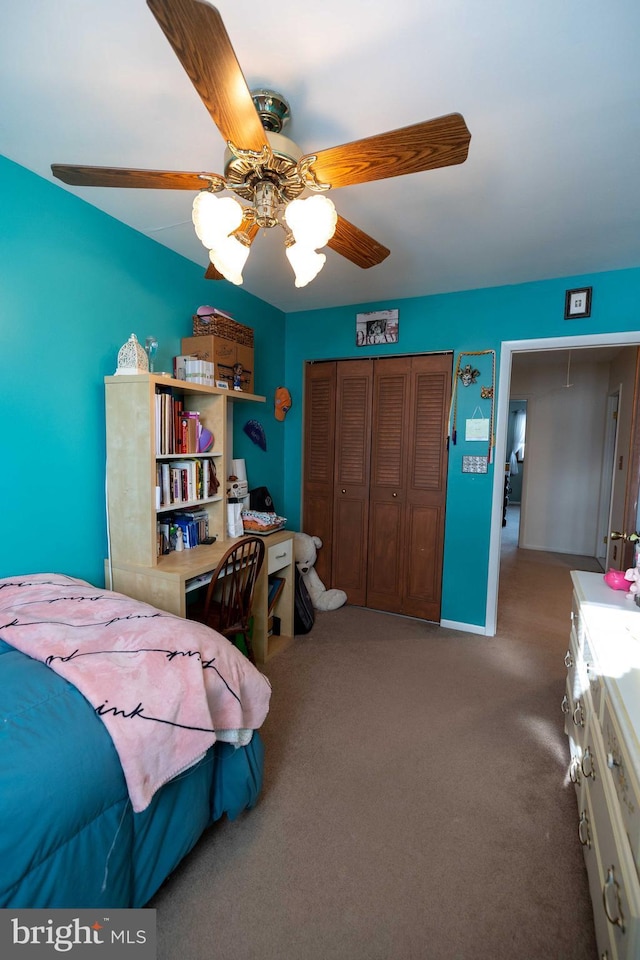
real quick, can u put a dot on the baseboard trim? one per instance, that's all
(464, 627)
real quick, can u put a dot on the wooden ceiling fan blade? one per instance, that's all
(422, 146)
(198, 36)
(79, 176)
(212, 274)
(357, 246)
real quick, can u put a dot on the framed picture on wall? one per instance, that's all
(577, 303)
(379, 326)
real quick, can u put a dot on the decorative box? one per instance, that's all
(224, 354)
(219, 325)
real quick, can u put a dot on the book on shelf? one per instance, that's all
(189, 427)
(164, 536)
(199, 521)
(199, 371)
(211, 484)
(183, 481)
(275, 588)
(193, 524)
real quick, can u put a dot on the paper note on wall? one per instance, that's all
(477, 429)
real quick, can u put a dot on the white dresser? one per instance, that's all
(602, 722)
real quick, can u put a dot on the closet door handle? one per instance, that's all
(394, 494)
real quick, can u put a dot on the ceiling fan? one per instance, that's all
(266, 169)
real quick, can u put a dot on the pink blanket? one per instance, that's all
(162, 685)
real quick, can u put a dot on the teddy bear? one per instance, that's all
(305, 551)
(633, 575)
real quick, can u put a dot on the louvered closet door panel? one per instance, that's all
(319, 441)
(426, 489)
(385, 567)
(351, 478)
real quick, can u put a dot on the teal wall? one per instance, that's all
(74, 284)
(475, 320)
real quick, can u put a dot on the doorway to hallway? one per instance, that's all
(508, 349)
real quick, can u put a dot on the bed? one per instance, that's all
(124, 733)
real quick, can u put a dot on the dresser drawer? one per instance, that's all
(615, 891)
(624, 778)
(591, 675)
(575, 729)
(279, 555)
(578, 682)
(577, 627)
(587, 837)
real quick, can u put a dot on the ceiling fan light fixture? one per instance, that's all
(229, 257)
(305, 263)
(214, 218)
(312, 221)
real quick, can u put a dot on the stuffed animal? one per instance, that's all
(305, 550)
(634, 576)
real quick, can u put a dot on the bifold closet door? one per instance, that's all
(408, 473)
(319, 459)
(351, 478)
(375, 469)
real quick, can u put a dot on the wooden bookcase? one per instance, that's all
(134, 566)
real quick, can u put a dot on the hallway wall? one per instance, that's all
(565, 435)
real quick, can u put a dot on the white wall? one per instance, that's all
(565, 433)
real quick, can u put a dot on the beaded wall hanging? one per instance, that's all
(467, 375)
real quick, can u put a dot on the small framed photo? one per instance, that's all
(577, 303)
(380, 326)
(222, 385)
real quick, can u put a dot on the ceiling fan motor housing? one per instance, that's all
(243, 174)
(272, 108)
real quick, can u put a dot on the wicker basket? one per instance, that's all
(221, 326)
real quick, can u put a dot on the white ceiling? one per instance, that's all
(550, 91)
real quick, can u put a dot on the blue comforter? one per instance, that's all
(68, 834)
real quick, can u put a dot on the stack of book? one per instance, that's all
(194, 525)
(186, 481)
(194, 370)
(276, 586)
(177, 430)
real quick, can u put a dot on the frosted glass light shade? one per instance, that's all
(214, 218)
(306, 263)
(312, 221)
(229, 257)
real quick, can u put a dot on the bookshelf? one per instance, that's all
(135, 566)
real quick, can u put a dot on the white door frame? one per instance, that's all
(507, 349)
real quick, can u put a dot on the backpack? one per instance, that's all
(304, 615)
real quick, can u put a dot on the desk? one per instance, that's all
(166, 585)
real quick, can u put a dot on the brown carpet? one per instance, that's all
(416, 803)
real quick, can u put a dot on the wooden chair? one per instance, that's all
(227, 604)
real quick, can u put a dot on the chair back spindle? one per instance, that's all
(227, 605)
